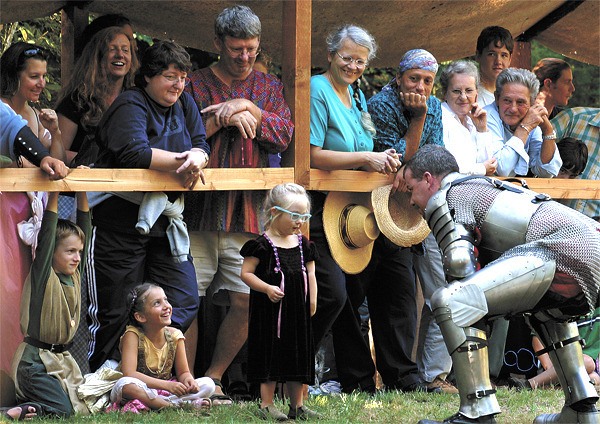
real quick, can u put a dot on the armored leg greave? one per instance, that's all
(509, 286)
(563, 346)
(468, 349)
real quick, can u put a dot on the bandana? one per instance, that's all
(418, 59)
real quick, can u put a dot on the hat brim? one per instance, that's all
(396, 218)
(350, 260)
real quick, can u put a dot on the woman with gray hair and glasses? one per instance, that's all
(466, 135)
(523, 137)
(341, 130)
(341, 137)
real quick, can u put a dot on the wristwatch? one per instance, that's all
(551, 136)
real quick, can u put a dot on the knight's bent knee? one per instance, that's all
(441, 298)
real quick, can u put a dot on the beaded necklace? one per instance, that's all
(278, 270)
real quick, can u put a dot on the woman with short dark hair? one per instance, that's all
(142, 237)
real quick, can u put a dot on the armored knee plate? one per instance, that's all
(569, 416)
(506, 287)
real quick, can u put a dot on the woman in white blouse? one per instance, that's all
(465, 123)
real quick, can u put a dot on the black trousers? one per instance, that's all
(335, 311)
(121, 262)
(389, 284)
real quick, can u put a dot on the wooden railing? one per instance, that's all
(30, 179)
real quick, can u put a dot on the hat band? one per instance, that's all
(344, 227)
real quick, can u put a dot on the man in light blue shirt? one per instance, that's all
(523, 138)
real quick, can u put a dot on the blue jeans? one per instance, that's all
(432, 355)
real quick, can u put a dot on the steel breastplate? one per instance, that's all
(505, 224)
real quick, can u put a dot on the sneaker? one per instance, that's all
(519, 384)
(413, 387)
(441, 386)
(303, 413)
(201, 404)
(331, 387)
(271, 412)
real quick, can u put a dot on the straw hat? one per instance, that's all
(350, 229)
(397, 219)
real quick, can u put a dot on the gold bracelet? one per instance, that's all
(525, 127)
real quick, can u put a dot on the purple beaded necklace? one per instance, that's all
(278, 270)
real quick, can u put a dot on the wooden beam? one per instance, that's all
(564, 188)
(549, 20)
(73, 20)
(296, 30)
(521, 57)
(357, 181)
(32, 179)
(360, 181)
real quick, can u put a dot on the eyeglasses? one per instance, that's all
(175, 78)
(295, 216)
(348, 60)
(239, 52)
(469, 92)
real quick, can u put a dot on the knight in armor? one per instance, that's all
(507, 251)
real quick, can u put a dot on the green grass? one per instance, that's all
(517, 407)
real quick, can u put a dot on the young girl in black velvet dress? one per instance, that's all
(279, 267)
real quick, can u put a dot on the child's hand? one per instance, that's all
(275, 294)
(190, 383)
(177, 388)
(313, 307)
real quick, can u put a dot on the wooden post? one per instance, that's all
(521, 57)
(73, 20)
(296, 42)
